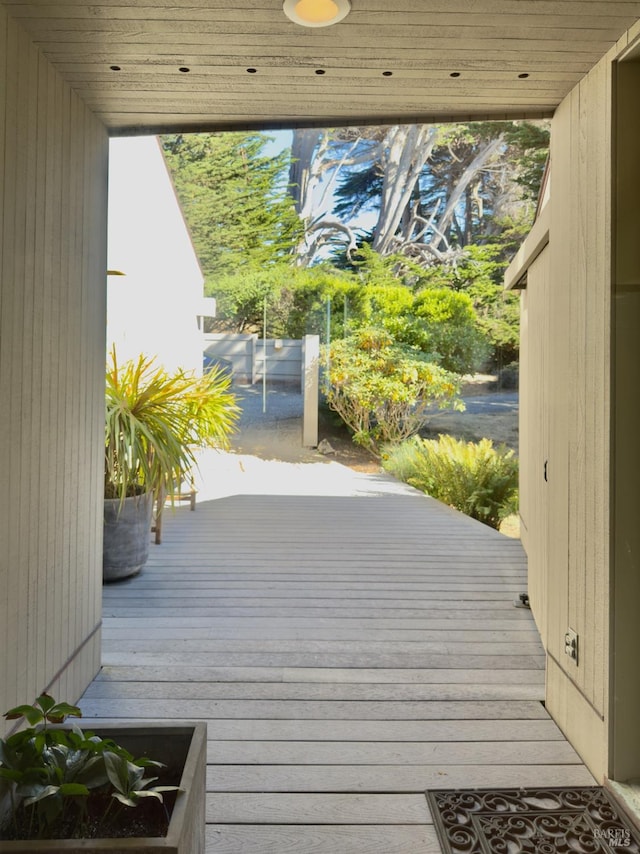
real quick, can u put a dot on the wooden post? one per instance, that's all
(310, 387)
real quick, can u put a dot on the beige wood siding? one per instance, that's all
(534, 434)
(579, 406)
(53, 168)
(625, 641)
(567, 412)
(566, 415)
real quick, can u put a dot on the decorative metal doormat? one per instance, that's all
(582, 820)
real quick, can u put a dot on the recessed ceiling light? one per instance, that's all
(316, 13)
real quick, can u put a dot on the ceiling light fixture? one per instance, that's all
(316, 13)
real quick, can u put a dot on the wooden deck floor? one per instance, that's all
(347, 653)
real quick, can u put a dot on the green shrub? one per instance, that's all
(509, 376)
(382, 390)
(476, 478)
(451, 329)
(437, 321)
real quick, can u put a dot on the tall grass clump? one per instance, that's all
(474, 477)
(155, 421)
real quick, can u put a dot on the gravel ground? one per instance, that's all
(277, 433)
(282, 406)
(493, 415)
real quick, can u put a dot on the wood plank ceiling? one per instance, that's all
(153, 65)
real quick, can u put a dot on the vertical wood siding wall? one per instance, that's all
(579, 352)
(53, 175)
(535, 373)
(570, 403)
(625, 578)
(567, 407)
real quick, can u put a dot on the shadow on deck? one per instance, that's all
(347, 653)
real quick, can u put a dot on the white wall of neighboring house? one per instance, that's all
(153, 308)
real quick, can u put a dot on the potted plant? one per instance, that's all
(68, 790)
(154, 423)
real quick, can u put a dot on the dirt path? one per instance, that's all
(277, 433)
(488, 414)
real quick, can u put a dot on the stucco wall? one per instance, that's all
(153, 308)
(53, 177)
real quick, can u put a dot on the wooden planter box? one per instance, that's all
(182, 747)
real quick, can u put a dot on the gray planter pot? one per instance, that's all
(127, 534)
(182, 747)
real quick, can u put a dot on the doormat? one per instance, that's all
(583, 820)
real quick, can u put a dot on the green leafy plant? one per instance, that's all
(474, 477)
(128, 780)
(55, 777)
(156, 420)
(382, 390)
(437, 321)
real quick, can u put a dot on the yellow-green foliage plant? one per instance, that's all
(475, 477)
(155, 422)
(383, 390)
